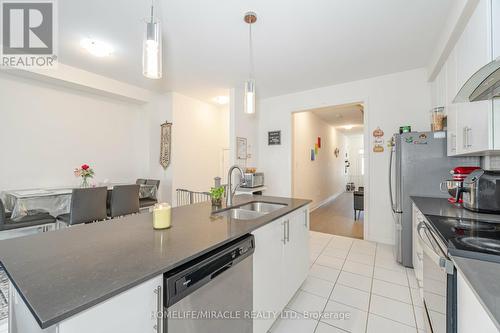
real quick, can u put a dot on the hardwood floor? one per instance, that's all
(337, 218)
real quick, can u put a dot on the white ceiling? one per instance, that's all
(298, 45)
(343, 115)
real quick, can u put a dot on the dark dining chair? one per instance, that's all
(149, 201)
(87, 205)
(359, 203)
(124, 200)
(141, 181)
(34, 218)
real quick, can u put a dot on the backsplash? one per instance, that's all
(490, 162)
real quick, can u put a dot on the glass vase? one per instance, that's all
(85, 183)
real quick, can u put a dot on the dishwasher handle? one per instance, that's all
(193, 275)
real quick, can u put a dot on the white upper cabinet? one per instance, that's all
(471, 126)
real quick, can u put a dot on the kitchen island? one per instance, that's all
(70, 277)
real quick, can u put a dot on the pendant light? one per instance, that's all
(249, 107)
(151, 49)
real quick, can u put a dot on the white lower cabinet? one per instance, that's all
(129, 312)
(471, 315)
(281, 264)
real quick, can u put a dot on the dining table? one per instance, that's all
(55, 201)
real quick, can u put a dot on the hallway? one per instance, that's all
(337, 218)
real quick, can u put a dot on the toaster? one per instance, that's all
(481, 191)
(253, 179)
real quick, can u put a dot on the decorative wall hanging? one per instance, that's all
(274, 138)
(319, 142)
(241, 148)
(313, 155)
(165, 144)
(337, 152)
(378, 141)
(316, 148)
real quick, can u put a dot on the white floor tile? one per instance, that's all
(340, 243)
(337, 253)
(317, 286)
(361, 258)
(293, 322)
(325, 328)
(390, 264)
(390, 276)
(357, 268)
(304, 302)
(392, 309)
(412, 279)
(416, 299)
(363, 250)
(378, 324)
(328, 261)
(350, 296)
(355, 281)
(323, 272)
(419, 318)
(391, 290)
(345, 317)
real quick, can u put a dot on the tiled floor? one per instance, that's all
(353, 286)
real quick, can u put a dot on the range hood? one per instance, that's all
(483, 85)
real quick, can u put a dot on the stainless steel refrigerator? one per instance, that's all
(418, 164)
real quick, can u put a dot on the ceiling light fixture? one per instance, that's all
(249, 106)
(151, 49)
(222, 100)
(348, 127)
(96, 48)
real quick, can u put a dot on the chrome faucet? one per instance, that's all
(230, 195)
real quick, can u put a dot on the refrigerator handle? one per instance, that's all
(390, 183)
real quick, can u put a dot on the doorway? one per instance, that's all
(328, 167)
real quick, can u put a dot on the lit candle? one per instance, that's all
(162, 216)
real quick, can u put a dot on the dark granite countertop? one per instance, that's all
(482, 276)
(61, 273)
(441, 207)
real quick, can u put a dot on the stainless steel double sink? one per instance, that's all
(251, 210)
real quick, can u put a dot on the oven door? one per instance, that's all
(439, 283)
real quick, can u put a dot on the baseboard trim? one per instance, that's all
(324, 202)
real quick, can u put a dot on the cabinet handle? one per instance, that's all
(464, 137)
(284, 232)
(305, 219)
(288, 230)
(159, 310)
(453, 142)
(469, 137)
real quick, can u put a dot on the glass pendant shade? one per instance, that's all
(151, 55)
(249, 107)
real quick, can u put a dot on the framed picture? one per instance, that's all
(274, 138)
(241, 148)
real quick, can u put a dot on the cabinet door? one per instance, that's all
(296, 254)
(267, 270)
(471, 316)
(451, 139)
(474, 127)
(129, 312)
(475, 44)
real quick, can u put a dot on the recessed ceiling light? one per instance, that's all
(222, 100)
(96, 48)
(348, 127)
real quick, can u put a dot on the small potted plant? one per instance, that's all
(86, 173)
(216, 194)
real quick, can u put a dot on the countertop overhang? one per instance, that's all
(59, 274)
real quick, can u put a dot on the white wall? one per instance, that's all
(390, 101)
(200, 132)
(322, 179)
(355, 143)
(245, 126)
(158, 111)
(47, 130)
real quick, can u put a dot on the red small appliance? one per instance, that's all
(458, 176)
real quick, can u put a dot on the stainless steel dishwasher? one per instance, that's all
(213, 293)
